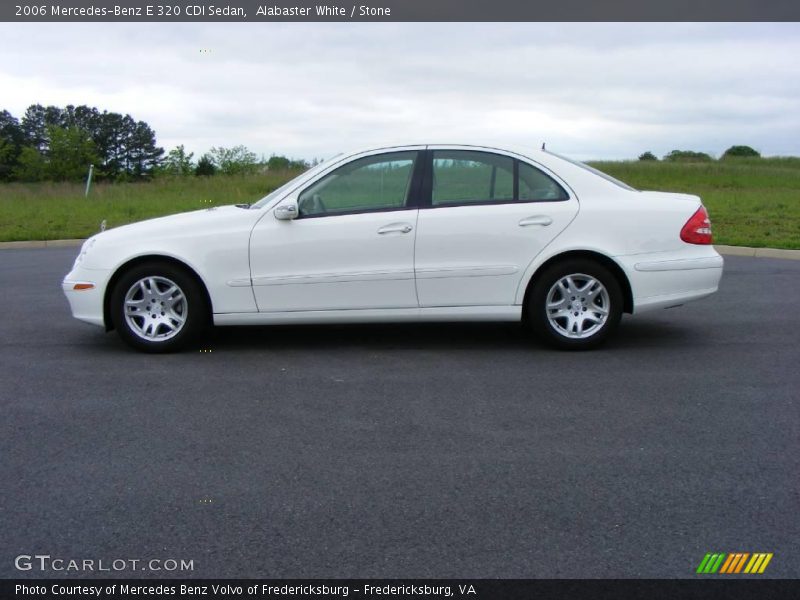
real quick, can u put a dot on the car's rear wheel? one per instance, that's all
(575, 304)
(158, 307)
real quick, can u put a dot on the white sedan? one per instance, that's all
(406, 233)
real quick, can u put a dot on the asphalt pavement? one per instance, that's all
(439, 450)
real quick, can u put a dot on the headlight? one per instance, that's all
(87, 245)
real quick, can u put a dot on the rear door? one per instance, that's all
(483, 218)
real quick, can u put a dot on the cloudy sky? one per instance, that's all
(311, 90)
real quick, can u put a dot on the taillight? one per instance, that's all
(698, 228)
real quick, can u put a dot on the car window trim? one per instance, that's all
(361, 211)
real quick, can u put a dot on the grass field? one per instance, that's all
(752, 202)
(51, 211)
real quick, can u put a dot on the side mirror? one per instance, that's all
(286, 212)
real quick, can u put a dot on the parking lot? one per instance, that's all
(405, 451)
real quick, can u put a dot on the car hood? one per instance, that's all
(197, 222)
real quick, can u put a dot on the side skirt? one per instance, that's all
(387, 315)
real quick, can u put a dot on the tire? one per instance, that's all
(575, 304)
(158, 307)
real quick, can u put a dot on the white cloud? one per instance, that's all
(591, 90)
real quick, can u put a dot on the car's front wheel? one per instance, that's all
(575, 304)
(157, 307)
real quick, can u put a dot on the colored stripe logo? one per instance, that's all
(735, 562)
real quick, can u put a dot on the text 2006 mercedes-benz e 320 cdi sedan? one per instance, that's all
(406, 233)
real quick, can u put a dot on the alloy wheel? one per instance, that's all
(155, 308)
(577, 306)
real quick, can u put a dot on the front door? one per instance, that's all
(351, 246)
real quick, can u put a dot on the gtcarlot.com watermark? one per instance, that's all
(47, 563)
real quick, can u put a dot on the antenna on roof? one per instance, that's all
(542, 145)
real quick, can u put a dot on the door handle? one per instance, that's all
(542, 220)
(395, 228)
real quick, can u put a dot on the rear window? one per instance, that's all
(597, 172)
(534, 185)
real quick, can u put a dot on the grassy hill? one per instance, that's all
(753, 202)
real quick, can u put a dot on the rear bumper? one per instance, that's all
(671, 279)
(681, 264)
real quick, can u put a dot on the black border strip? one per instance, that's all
(700, 588)
(406, 11)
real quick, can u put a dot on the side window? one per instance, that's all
(535, 185)
(462, 176)
(368, 184)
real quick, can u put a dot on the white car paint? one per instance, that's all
(430, 263)
(308, 264)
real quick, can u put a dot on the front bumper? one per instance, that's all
(85, 302)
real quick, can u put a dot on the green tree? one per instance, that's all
(299, 164)
(178, 162)
(126, 148)
(648, 156)
(687, 156)
(233, 161)
(34, 125)
(11, 143)
(8, 158)
(278, 163)
(741, 152)
(31, 165)
(205, 166)
(71, 152)
(281, 163)
(144, 155)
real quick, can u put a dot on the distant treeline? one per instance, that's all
(58, 144)
(692, 156)
(228, 161)
(52, 143)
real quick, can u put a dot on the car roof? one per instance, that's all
(522, 150)
(576, 175)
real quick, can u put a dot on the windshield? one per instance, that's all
(291, 183)
(597, 172)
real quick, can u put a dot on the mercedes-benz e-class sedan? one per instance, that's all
(407, 233)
